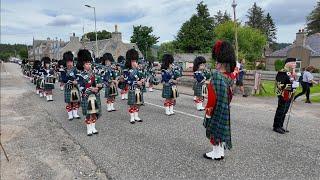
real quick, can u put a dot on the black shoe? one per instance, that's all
(132, 122)
(139, 120)
(308, 101)
(89, 134)
(278, 130)
(286, 131)
(207, 157)
(244, 95)
(219, 159)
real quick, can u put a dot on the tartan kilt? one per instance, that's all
(67, 94)
(121, 85)
(35, 81)
(107, 92)
(84, 105)
(38, 82)
(132, 97)
(144, 88)
(48, 86)
(167, 91)
(197, 89)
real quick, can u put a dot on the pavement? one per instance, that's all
(165, 147)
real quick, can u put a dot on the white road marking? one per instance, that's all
(180, 112)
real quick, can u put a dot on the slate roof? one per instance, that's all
(312, 43)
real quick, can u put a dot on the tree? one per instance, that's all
(251, 42)
(100, 35)
(313, 20)
(167, 47)
(256, 17)
(143, 37)
(196, 34)
(8, 50)
(221, 18)
(270, 29)
(23, 53)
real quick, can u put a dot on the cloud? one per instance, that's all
(11, 30)
(123, 16)
(63, 20)
(50, 12)
(290, 12)
(50, 19)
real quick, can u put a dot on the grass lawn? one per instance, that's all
(269, 87)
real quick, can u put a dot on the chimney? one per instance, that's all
(300, 38)
(116, 36)
(74, 38)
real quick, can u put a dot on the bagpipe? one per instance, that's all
(177, 72)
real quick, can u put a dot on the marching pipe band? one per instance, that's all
(83, 82)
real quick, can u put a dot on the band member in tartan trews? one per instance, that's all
(122, 83)
(217, 116)
(110, 77)
(71, 91)
(48, 77)
(202, 79)
(135, 94)
(89, 86)
(286, 86)
(169, 80)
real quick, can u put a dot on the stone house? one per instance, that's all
(305, 48)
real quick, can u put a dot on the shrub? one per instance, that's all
(278, 64)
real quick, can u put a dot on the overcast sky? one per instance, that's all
(21, 20)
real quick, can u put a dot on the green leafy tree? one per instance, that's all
(251, 42)
(167, 47)
(23, 53)
(256, 17)
(220, 18)
(143, 37)
(11, 50)
(100, 35)
(196, 34)
(313, 20)
(270, 29)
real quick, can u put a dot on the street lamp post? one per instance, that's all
(234, 5)
(95, 28)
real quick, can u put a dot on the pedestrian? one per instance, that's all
(306, 83)
(239, 79)
(217, 116)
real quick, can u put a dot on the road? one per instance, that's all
(165, 147)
